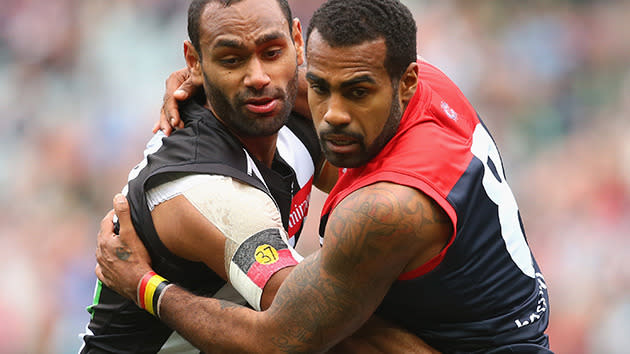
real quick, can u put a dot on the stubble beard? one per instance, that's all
(366, 153)
(234, 116)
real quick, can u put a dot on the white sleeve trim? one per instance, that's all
(236, 208)
(170, 186)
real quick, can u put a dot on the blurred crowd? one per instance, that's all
(81, 85)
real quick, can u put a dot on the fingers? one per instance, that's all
(127, 236)
(121, 208)
(179, 87)
(105, 236)
(156, 126)
(122, 259)
(176, 79)
(163, 124)
(170, 107)
(107, 223)
(171, 114)
(185, 90)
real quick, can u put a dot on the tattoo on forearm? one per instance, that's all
(314, 307)
(122, 253)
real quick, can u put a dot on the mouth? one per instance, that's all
(341, 141)
(341, 144)
(262, 105)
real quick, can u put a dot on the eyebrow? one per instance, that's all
(236, 44)
(358, 80)
(229, 43)
(268, 37)
(354, 81)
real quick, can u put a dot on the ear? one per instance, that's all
(298, 40)
(408, 83)
(193, 61)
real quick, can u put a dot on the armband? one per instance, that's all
(150, 290)
(256, 259)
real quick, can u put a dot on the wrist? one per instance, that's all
(150, 290)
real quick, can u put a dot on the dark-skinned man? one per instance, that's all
(241, 166)
(421, 227)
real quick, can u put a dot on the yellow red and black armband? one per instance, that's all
(150, 290)
(258, 258)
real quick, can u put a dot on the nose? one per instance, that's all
(336, 113)
(256, 77)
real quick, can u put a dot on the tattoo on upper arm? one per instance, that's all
(345, 281)
(362, 221)
(122, 253)
(378, 221)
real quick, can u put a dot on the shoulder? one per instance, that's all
(392, 217)
(391, 202)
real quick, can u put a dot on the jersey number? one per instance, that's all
(499, 192)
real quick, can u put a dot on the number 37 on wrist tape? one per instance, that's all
(257, 259)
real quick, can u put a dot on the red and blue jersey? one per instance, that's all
(484, 291)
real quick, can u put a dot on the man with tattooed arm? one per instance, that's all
(421, 228)
(238, 172)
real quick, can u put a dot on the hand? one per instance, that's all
(179, 87)
(122, 260)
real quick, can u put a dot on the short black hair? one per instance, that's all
(195, 10)
(351, 22)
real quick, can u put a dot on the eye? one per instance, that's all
(230, 61)
(272, 54)
(359, 92)
(318, 89)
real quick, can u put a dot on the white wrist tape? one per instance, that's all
(256, 259)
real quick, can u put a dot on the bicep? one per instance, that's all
(370, 237)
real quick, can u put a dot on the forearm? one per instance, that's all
(315, 310)
(324, 299)
(213, 326)
(298, 322)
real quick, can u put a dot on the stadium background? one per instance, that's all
(81, 85)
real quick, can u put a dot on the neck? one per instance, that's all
(262, 147)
